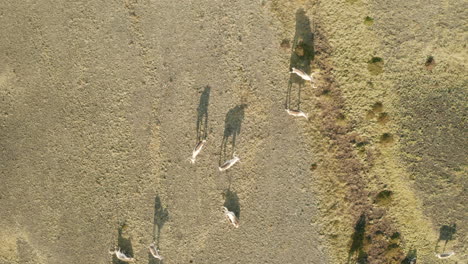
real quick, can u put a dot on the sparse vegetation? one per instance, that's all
(129, 134)
(326, 92)
(410, 257)
(299, 51)
(395, 236)
(392, 251)
(377, 107)
(383, 118)
(384, 197)
(368, 21)
(361, 144)
(285, 44)
(313, 166)
(429, 60)
(370, 114)
(386, 138)
(375, 65)
(430, 63)
(376, 60)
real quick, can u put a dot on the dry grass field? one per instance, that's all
(102, 103)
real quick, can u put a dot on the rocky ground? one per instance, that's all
(103, 102)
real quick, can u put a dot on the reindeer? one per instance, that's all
(120, 255)
(231, 217)
(197, 150)
(229, 163)
(445, 255)
(297, 113)
(154, 251)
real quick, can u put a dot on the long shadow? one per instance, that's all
(302, 53)
(357, 244)
(232, 127)
(161, 215)
(232, 202)
(125, 245)
(446, 233)
(202, 114)
(410, 257)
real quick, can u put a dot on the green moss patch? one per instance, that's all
(375, 65)
(395, 236)
(383, 118)
(392, 251)
(313, 166)
(384, 197)
(377, 107)
(430, 63)
(386, 138)
(368, 21)
(285, 44)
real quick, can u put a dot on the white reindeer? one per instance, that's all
(297, 113)
(304, 75)
(154, 251)
(197, 150)
(445, 255)
(231, 217)
(229, 163)
(120, 255)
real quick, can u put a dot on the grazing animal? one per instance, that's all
(445, 255)
(302, 74)
(121, 256)
(297, 113)
(231, 217)
(228, 164)
(197, 150)
(154, 251)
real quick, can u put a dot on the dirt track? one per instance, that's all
(101, 105)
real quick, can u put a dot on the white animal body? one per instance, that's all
(302, 74)
(154, 251)
(197, 150)
(228, 164)
(445, 255)
(231, 217)
(121, 256)
(297, 113)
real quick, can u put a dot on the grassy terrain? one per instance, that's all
(102, 104)
(368, 180)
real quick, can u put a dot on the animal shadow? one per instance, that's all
(357, 244)
(125, 245)
(410, 257)
(232, 127)
(202, 114)
(446, 233)
(232, 202)
(161, 215)
(302, 53)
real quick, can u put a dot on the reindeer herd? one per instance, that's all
(230, 216)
